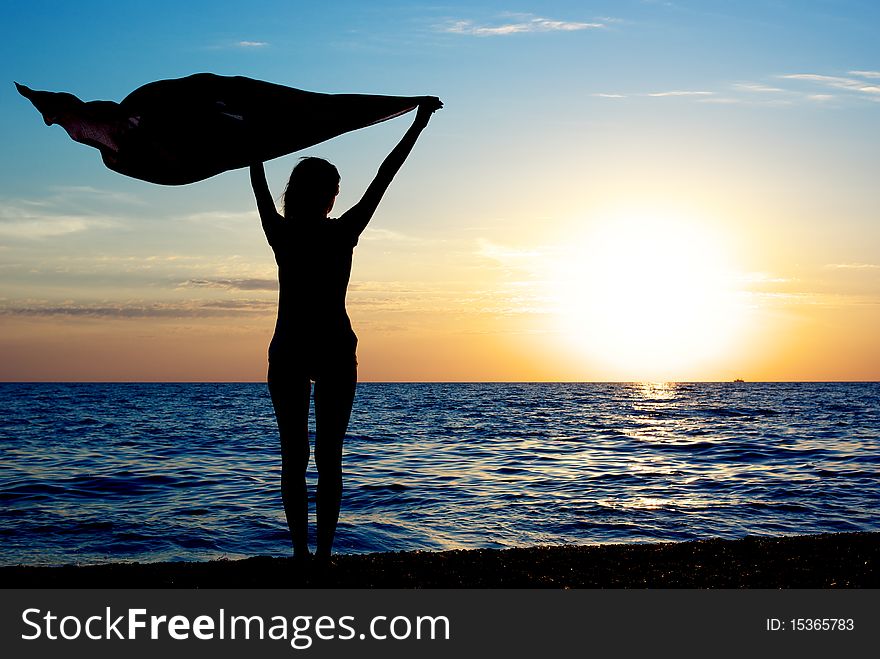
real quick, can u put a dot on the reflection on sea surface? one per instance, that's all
(96, 472)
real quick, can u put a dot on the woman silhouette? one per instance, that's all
(313, 340)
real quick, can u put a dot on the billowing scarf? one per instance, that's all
(184, 130)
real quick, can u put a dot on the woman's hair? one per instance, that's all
(313, 183)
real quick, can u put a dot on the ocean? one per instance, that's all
(94, 473)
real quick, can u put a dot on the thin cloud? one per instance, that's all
(758, 88)
(387, 287)
(63, 193)
(37, 229)
(67, 209)
(759, 94)
(504, 254)
(389, 235)
(253, 284)
(243, 44)
(722, 100)
(837, 82)
(21, 222)
(854, 266)
(735, 100)
(680, 92)
(671, 93)
(218, 217)
(763, 278)
(527, 23)
(127, 310)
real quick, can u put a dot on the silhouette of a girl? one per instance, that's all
(313, 340)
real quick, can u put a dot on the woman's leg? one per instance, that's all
(334, 396)
(290, 398)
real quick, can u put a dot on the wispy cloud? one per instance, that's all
(758, 87)
(680, 92)
(233, 284)
(387, 287)
(504, 254)
(860, 84)
(376, 234)
(814, 289)
(759, 278)
(63, 210)
(663, 94)
(35, 229)
(221, 217)
(854, 266)
(837, 82)
(242, 44)
(517, 24)
(124, 310)
(66, 193)
(722, 100)
(24, 222)
(747, 101)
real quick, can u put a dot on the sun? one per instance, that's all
(648, 296)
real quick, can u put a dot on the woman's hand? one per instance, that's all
(428, 105)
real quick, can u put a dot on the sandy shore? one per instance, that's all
(841, 560)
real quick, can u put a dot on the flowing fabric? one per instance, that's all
(184, 130)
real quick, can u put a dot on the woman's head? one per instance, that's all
(312, 188)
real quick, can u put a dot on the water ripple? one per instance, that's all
(98, 472)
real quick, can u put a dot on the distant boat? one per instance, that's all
(739, 380)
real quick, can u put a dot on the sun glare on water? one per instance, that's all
(648, 296)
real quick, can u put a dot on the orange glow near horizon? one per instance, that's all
(630, 294)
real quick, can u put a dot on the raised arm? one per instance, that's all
(359, 215)
(269, 216)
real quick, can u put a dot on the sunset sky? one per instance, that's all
(619, 190)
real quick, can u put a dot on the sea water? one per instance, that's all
(94, 473)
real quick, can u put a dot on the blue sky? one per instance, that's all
(761, 116)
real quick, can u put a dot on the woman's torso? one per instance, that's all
(314, 267)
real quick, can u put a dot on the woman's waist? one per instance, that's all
(314, 324)
(318, 329)
(307, 347)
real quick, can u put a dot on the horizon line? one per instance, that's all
(454, 381)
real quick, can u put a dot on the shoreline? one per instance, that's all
(835, 560)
